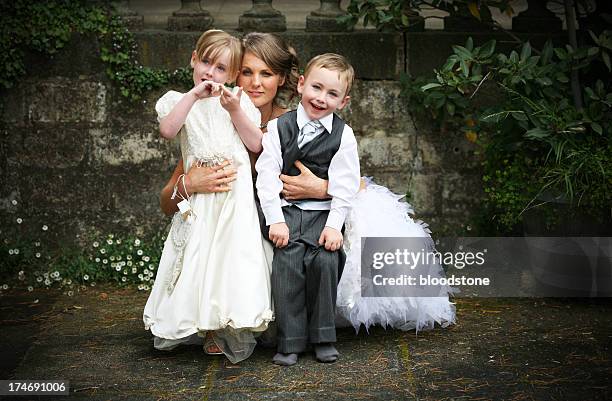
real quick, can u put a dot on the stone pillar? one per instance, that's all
(537, 18)
(191, 17)
(463, 21)
(129, 16)
(262, 18)
(324, 18)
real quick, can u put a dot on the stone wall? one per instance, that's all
(77, 157)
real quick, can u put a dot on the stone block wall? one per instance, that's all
(77, 157)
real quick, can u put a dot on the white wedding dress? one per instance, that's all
(214, 272)
(377, 212)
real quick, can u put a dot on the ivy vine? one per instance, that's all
(46, 27)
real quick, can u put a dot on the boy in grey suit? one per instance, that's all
(307, 233)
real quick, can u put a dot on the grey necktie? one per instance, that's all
(309, 132)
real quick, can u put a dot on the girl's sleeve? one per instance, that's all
(165, 103)
(250, 110)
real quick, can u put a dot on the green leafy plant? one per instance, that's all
(46, 27)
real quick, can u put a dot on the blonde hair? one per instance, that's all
(279, 57)
(333, 62)
(214, 42)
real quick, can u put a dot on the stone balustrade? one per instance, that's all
(319, 16)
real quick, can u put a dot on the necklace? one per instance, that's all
(265, 124)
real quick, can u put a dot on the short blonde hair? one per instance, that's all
(211, 45)
(334, 62)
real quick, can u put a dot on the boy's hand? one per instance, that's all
(331, 238)
(229, 100)
(279, 234)
(206, 89)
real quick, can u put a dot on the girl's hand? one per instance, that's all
(206, 89)
(231, 101)
(210, 179)
(303, 186)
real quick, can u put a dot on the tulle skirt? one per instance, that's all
(377, 212)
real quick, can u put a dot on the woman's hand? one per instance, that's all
(211, 179)
(198, 179)
(231, 101)
(304, 186)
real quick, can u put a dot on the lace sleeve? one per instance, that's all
(165, 103)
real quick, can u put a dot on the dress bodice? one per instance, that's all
(208, 135)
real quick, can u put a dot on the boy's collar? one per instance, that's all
(303, 119)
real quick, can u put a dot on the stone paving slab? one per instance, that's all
(515, 349)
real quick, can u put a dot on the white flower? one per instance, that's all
(147, 278)
(102, 251)
(19, 220)
(69, 282)
(114, 264)
(146, 271)
(137, 242)
(118, 268)
(30, 288)
(47, 282)
(45, 228)
(112, 257)
(109, 241)
(57, 274)
(139, 252)
(134, 270)
(46, 275)
(38, 254)
(93, 284)
(129, 257)
(95, 244)
(140, 287)
(129, 263)
(37, 243)
(5, 286)
(146, 287)
(14, 202)
(141, 263)
(105, 261)
(140, 276)
(11, 252)
(86, 277)
(118, 257)
(70, 293)
(111, 235)
(97, 260)
(125, 272)
(16, 251)
(146, 258)
(124, 279)
(118, 242)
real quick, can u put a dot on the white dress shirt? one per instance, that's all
(343, 175)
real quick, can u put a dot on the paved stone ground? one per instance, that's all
(513, 349)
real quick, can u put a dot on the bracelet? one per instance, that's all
(176, 191)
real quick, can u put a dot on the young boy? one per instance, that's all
(307, 234)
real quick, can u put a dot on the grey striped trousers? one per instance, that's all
(304, 283)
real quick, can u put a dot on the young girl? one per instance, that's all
(213, 274)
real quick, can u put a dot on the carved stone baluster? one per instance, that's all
(262, 18)
(191, 17)
(324, 18)
(537, 18)
(131, 17)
